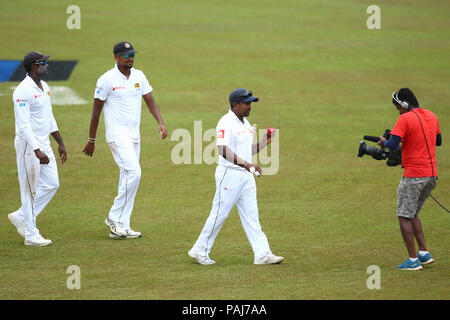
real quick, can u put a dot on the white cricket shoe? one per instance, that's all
(131, 234)
(116, 228)
(17, 223)
(38, 241)
(269, 259)
(115, 236)
(204, 260)
(124, 233)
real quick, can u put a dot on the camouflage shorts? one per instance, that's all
(412, 193)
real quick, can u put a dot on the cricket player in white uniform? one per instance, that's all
(119, 92)
(36, 164)
(235, 184)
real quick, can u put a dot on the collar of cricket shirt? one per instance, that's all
(235, 117)
(121, 74)
(32, 83)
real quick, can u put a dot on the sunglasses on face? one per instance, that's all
(126, 56)
(44, 63)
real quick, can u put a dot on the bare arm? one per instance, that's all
(267, 139)
(61, 148)
(230, 156)
(154, 110)
(96, 111)
(257, 147)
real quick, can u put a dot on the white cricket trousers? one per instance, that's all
(126, 154)
(38, 184)
(234, 187)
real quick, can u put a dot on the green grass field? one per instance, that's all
(323, 79)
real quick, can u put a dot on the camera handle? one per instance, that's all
(372, 138)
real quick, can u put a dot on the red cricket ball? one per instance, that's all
(270, 131)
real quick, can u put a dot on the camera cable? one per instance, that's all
(431, 161)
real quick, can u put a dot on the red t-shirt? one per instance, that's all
(415, 154)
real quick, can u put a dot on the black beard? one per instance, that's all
(42, 72)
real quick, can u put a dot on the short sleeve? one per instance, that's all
(223, 133)
(400, 127)
(146, 87)
(102, 89)
(53, 124)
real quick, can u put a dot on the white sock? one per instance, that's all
(413, 259)
(422, 253)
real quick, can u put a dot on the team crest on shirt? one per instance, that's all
(220, 134)
(137, 85)
(48, 92)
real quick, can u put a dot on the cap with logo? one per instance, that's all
(242, 95)
(123, 48)
(33, 57)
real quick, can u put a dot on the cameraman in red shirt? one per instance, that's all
(418, 131)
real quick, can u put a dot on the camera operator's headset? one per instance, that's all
(405, 105)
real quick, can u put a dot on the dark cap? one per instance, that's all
(242, 95)
(123, 48)
(33, 57)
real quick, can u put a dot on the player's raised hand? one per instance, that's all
(269, 133)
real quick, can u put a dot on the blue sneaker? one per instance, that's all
(426, 258)
(410, 265)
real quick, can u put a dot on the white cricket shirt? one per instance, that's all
(236, 135)
(33, 114)
(123, 101)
